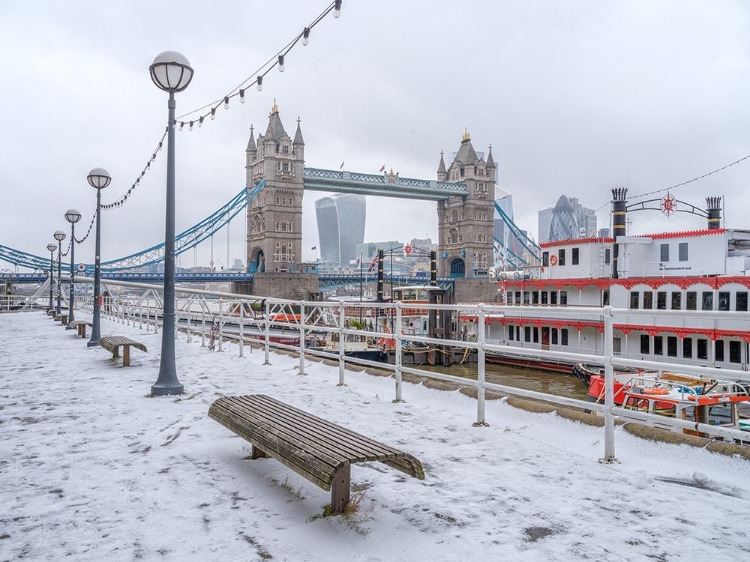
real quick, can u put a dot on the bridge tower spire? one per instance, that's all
(466, 224)
(274, 217)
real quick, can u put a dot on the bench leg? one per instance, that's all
(115, 353)
(258, 453)
(126, 355)
(340, 489)
(83, 330)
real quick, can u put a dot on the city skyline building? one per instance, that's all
(567, 220)
(341, 227)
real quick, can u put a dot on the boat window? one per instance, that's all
(553, 297)
(536, 334)
(664, 252)
(518, 297)
(648, 300)
(665, 409)
(617, 346)
(720, 414)
(545, 259)
(672, 346)
(563, 336)
(676, 301)
(535, 297)
(554, 336)
(691, 300)
(687, 348)
(661, 300)
(525, 297)
(564, 298)
(605, 297)
(658, 345)
(575, 256)
(423, 295)
(561, 256)
(544, 297)
(683, 251)
(741, 302)
(735, 352)
(724, 300)
(607, 258)
(510, 333)
(702, 349)
(518, 333)
(707, 301)
(645, 344)
(634, 299)
(527, 333)
(719, 350)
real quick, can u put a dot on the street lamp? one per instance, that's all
(98, 178)
(59, 235)
(51, 247)
(172, 73)
(72, 216)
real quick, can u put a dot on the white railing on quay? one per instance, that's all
(246, 319)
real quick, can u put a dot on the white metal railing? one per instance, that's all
(218, 317)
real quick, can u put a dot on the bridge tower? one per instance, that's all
(274, 217)
(465, 224)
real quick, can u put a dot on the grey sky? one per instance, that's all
(575, 97)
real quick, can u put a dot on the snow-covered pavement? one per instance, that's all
(92, 468)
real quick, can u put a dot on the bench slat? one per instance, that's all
(323, 444)
(342, 440)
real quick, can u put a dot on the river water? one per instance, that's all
(528, 379)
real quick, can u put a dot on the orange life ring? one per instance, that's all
(553, 259)
(656, 391)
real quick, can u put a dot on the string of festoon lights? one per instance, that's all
(82, 240)
(208, 111)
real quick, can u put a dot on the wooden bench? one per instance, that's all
(51, 312)
(114, 343)
(81, 326)
(314, 448)
(62, 317)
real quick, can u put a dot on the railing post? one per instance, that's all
(609, 388)
(301, 338)
(221, 324)
(156, 318)
(203, 324)
(267, 334)
(342, 345)
(242, 329)
(481, 336)
(397, 336)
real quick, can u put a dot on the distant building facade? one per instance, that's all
(341, 227)
(567, 220)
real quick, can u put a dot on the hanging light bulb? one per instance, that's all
(337, 9)
(260, 83)
(226, 102)
(213, 113)
(306, 37)
(182, 124)
(281, 63)
(160, 145)
(200, 122)
(242, 96)
(190, 129)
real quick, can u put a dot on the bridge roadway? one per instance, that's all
(325, 281)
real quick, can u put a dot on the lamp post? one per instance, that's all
(172, 73)
(72, 216)
(59, 235)
(98, 178)
(51, 247)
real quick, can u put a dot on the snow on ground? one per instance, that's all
(93, 469)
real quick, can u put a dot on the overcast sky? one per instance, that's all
(575, 97)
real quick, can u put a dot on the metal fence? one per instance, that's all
(298, 326)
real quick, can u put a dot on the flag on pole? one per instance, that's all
(342, 165)
(382, 169)
(373, 263)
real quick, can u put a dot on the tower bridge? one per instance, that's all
(276, 179)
